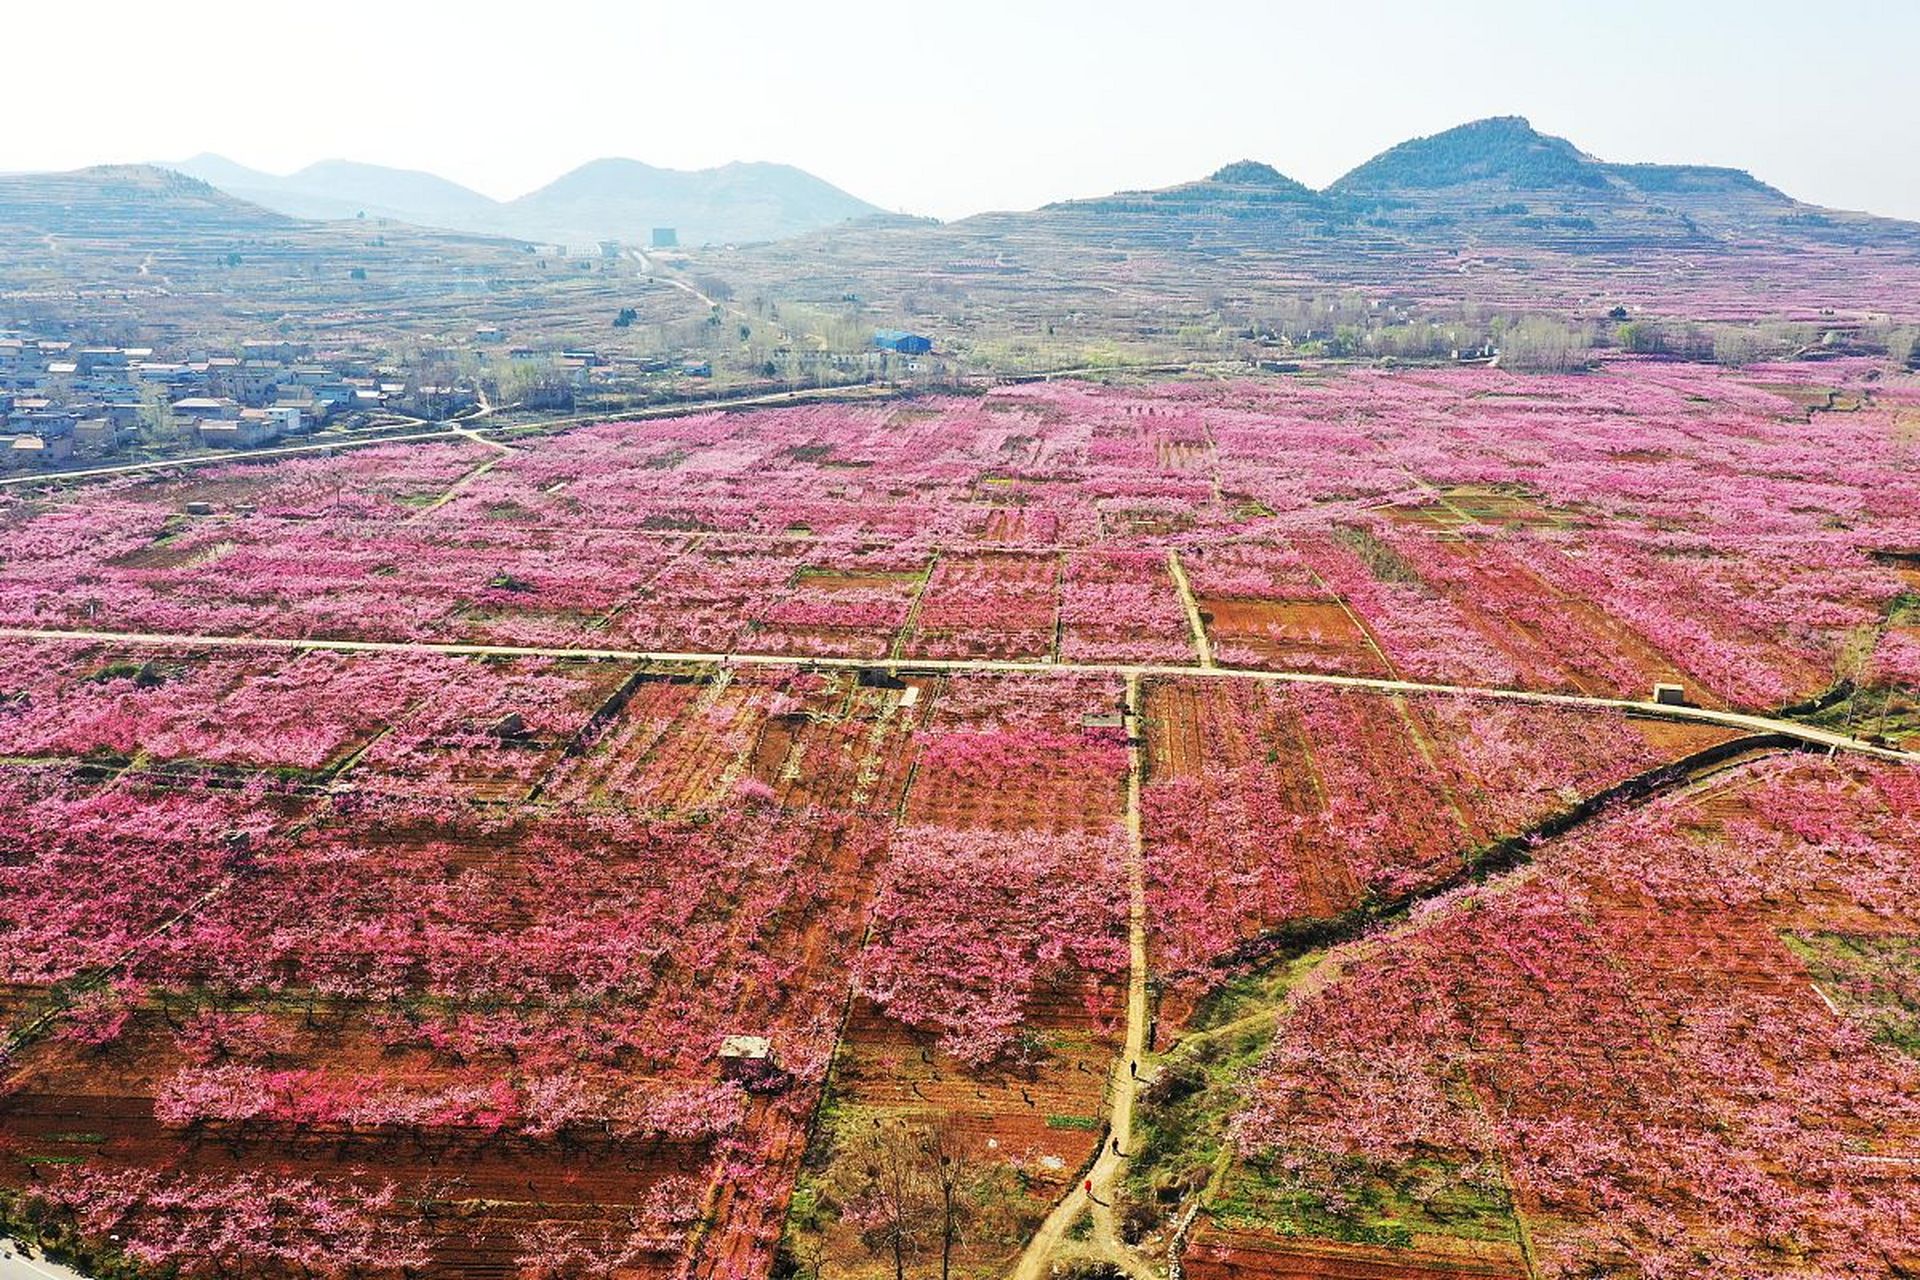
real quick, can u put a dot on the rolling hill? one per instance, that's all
(124, 202)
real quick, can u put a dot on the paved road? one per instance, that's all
(1806, 733)
(16, 1265)
(211, 459)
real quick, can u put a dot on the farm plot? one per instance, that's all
(681, 740)
(1641, 1095)
(1021, 753)
(172, 708)
(1264, 607)
(830, 611)
(489, 729)
(515, 1022)
(1553, 640)
(91, 868)
(1121, 606)
(988, 1007)
(1269, 809)
(988, 604)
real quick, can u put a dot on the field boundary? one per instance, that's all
(1754, 723)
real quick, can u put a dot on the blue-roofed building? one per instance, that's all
(909, 344)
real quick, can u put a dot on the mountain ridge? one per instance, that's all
(611, 198)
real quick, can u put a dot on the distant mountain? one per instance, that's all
(1495, 182)
(1243, 189)
(1508, 153)
(624, 199)
(610, 199)
(1252, 173)
(128, 203)
(336, 189)
(1504, 150)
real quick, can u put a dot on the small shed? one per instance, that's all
(909, 344)
(750, 1061)
(748, 1058)
(1670, 695)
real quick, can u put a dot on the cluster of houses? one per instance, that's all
(60, 399)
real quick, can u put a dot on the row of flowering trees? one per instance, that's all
(474, 1099)
(219, 1224)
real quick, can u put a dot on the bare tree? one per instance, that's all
(895, 1195)
(948, 1165)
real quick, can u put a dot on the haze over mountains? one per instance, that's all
(1490, 181)
(610, 199)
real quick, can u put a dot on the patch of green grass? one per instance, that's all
(1256, 991)
(1180, 1139)
(1874, 712)
(1085, 1124)
(508, 511)
(1183, 1148)
(1382, 561)
(1363, 1202)
(32, 1222)
(1874, 980)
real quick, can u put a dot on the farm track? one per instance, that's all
(1752, 723)
(1096, 1190)
(1201, 647)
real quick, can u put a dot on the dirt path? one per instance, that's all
(1124, 1083)
(1202, 648)
(459, 486)
(1810, 734)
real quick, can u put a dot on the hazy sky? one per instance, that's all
(950, 107)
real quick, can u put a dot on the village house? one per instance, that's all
(208, 408)
(28, 452)
(95, 437)
(253, 428)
